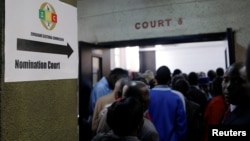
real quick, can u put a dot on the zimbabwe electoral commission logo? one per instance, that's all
(48, 16)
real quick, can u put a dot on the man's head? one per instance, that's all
(163, 75)
(176, 72)
(220, 72)
(211, 74)
(193, 78)
(138, 90)
(125, 117)
(119, 87)
(182, 86)
(234, 84)
(175, 78)
(115, 75)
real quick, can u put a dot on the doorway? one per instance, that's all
(88, 71)
(206, 51)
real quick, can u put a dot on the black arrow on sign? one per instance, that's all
(35, 46)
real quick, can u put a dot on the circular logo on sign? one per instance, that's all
(48, 16)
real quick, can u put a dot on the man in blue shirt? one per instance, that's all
(105, 86)
(166, 108)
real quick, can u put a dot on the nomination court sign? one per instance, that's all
(40, 41)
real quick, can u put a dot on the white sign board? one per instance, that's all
(40, 40)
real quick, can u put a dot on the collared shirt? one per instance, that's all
(232, 107)
(168, 114)
(101, 88)
(166, 87)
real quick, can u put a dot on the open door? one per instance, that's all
(95, 60)
(91, 60)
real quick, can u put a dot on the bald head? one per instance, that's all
(138, 90)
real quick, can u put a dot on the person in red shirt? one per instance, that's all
(216, 107)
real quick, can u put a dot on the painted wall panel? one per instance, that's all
(37, 110)
(112, 21)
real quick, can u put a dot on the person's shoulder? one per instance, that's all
(101, 87)
(219, 98)
(101, 81)
(195, 90)
(104, 100)
(193, 104)
(128, 138)
(148, 127)
(176, 92)
(107, 96)
(148, 123)
(100, 101)
(105, 137)
(164, 91)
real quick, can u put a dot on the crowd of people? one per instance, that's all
(168, 106)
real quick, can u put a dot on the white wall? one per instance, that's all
(126, 57)
(189, 57)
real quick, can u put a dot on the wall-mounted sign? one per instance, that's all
(158, 23)
(40, 40)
